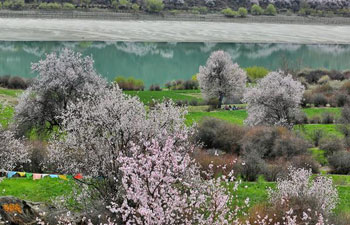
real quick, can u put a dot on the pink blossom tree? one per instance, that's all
(164, 186)
(275, 100)
(62, 78)
(220, 78)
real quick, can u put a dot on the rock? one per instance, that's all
(15, 211)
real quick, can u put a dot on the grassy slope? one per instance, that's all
(39, 190)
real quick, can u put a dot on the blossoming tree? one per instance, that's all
(221, 78)
(62, 78)
(275, 100)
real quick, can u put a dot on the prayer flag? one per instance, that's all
(63, 177)
(36, 176)
(10, 174)
(78, 176)
(29, 175)
(22, 174)
(53, 176)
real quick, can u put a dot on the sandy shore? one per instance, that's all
(31, 29)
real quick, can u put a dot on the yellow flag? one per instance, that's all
(22, 174)
(63, 177)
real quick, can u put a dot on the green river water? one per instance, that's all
(157, 63)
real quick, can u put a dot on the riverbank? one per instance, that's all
(40, 29)
(166, 16)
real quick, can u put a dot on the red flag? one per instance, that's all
(78, 176)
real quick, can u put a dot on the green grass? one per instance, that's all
(310, 112)
(34, 190)
(319, 156)
(308, 129)
(10, 92)
(6, 115)
(235, 117)
(147, 96)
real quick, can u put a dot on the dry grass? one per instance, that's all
(222, 164)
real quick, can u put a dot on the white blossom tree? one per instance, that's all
(275, 100)
(221, 78)
(104, 124)
(62, 78)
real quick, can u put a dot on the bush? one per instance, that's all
(316, 136)
(340, 99)
(213, 104)
(17, 83)
(315, 120)
(256, 72)
(68, 6)
(324, 79)
(199, 10)
(13, 82)
(242, 12)
(340, 162)
(50, 6)
(219, 134)
(154, 6)
(14, 4)
(256, 10)
(328, 118)
(305, 162)
(193, 102)
(319, 100)
(155, 87)
(260, 140)
(135, 7)
(251, 166)
(346, 87)
(331, 145)
(130, 84)
(288, 146)
(4, 80)
(229, 12)
(271, 10)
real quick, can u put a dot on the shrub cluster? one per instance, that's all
(257, 10)
(325, 92)
(155, 87)
(14, 82)
(182, 85)
(13, 4)
(218, 134)
(129, 84)
(256, 72)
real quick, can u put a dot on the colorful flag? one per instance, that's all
(29, 175)
(63, 177)
(22, 174)
(10, 174)
(78, 176)
(36, 176)
(53, 176)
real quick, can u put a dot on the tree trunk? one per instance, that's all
(221, 97)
